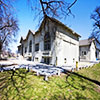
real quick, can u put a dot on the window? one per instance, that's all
(25, 49)
(22, 49)
(47, 60)
(29, 59)
(65, 60)
(37, 47)
(19, 48)
(56, 60)
(36, 59)
(47, 42)
(83, 53)
(73, 60)
(30, 46)
(96, 53)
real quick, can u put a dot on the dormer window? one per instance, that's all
(47, 41)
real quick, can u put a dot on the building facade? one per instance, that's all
(87, 50)
(53, 43)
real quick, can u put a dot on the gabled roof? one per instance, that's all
(50, 19)
(86, 42)
(57, 22)
(21, 39)
(29, 32)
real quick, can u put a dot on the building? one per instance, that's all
(88, 50)
(53, 43)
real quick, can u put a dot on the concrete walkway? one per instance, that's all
(70, 67)
(81, 65)
(40, 69)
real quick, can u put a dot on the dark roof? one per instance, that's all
(21, 39)
(85, 42)
(53, 20)
(58, 22)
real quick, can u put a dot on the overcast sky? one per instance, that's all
(82, 24)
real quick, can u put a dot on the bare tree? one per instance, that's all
(52, 8)
(8, 23)
(96, 26)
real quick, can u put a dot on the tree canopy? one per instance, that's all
(96, 26)
(8, 23)
(52, 8)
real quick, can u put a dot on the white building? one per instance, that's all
(88, 50)
(53, 43)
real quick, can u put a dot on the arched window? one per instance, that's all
(30, 46)
(47, 41)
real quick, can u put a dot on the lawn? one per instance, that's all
(91, 72)
(23, 85)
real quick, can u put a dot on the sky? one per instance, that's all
(81, 23)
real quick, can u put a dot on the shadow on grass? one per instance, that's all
(77, 85)
(10, 83)
(81, 76)
(94, 81)
(16, 81)
(63, 97)
(58, 97)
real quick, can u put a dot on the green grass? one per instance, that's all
(23, 85)
(91, 72)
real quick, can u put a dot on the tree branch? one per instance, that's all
(41, 2)
(52, 7)
(1, 28)
(5, 37)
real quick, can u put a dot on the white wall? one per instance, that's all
(63, 45)
(26, 44)
(39, 38)
(92, 52)
(67, 48)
